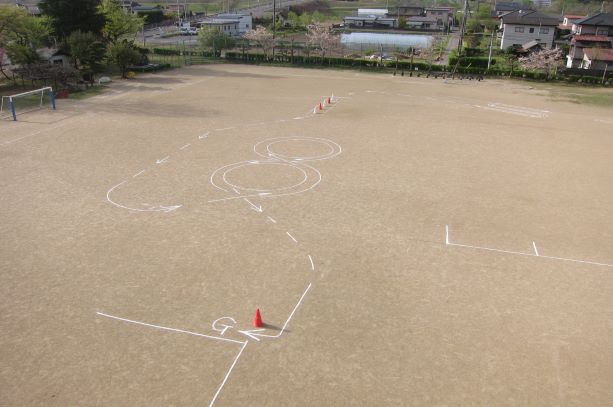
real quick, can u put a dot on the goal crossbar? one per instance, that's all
(41, 91)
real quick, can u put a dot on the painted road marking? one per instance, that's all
(448, 243)
(291, 237)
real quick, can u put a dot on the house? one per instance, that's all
(568, 20)
(228, 26)
(371, 21)
(589, 32)
(53, 56)
(599, 24)
(522, 26)
(422, 23)
(442, 15)
(245, 21)
(597, 58)
(372, 12)
(409, 10)
(578, 43)
(504, 7)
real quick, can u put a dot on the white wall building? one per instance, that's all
(245, 22)
(522, 26)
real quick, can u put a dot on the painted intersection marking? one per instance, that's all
(535, 254)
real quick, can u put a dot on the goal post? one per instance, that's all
(20, 103)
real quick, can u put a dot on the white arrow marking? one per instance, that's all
(252, 333)
(163, 160)
(253, 206)
(205, 135)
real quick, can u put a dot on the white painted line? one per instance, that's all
(272, 220)
(165, 328)
(138, 173)
(312, 264)
(530, 254)
(292, 237)
(535, 249)
(226, 128)
(225, 379)
(163, 160)
(447, 234)
(185, 146)
(236, 190)
(254, 206)
(161, 208)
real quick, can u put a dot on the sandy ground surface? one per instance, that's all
(416, 243)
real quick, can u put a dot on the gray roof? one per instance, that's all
(598, 19)
(529, 17)
(508, 6)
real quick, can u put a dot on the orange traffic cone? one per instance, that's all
(257, 321)
(329, 101)
(321, 106)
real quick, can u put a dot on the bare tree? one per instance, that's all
(263, 37)
(546, 60)
(320, 37)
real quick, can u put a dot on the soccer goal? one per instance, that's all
(15, 105)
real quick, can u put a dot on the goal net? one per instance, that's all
(15, 105)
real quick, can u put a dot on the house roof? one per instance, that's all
(219, 21)
(598, 19)
(573, 16)
(508, 6)
(529, 17)
(599, 54)
(420, 19)
(530, 44)
(592, 38)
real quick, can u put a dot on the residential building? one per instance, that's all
(228, 26)
(409, 10)
(421, 23)
(245, 21)
(504, 7)
(590, 32)
(522, 26)
(442, 15)
(597, 58)
(371, 21)
(372, 12)
(568, 20)
(599, 24)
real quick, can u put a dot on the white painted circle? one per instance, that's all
(242, 187)
(266, 148)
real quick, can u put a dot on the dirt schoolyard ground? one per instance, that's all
(414, 242)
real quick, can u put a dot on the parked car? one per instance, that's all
(188, 31)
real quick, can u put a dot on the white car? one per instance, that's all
(188, 31)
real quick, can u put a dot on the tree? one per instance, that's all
(320, 37)
(123, 54)
(68, 16)
(546, 60)
(118, 22)
(87, 52)
(20, 35)
(262, 37)
(215, 39)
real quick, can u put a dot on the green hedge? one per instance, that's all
(477, 62)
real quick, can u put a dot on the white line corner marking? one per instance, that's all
(255, 333)
(535, 254)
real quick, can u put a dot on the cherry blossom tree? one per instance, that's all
(263, 37)
(320, 37)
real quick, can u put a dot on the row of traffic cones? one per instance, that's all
(326, 102)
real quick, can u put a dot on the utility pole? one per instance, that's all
(489, 57)
(463, 27)
(274, 27)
